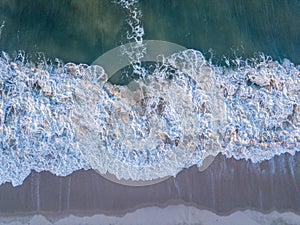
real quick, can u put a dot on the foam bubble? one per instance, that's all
(68, 117)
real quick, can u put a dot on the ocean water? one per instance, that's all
(64, 116)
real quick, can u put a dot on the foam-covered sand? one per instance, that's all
(206, 163)
(170, 215)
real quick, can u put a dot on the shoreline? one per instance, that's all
(171, 214)
(226, 186)
(78, 213)
(111, 177)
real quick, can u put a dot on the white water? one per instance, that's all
(67, 117)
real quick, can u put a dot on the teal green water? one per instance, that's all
(80, 31)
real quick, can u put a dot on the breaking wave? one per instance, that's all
(67, 117)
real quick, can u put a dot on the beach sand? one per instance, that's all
(170, 215)
(225, 187)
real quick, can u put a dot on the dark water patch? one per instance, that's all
(71, 30)
(80, 31)
(227, 27)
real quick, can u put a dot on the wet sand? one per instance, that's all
(170, 215)
(227, 185)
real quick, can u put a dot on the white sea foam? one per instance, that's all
(68, 117)
(135, 35)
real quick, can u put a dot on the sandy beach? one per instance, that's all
(225, 187)
(170, 215)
